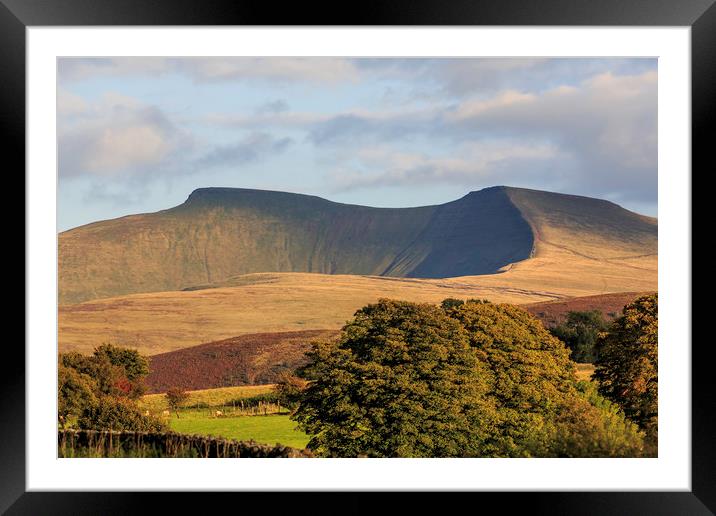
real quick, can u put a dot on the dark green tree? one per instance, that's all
(402, 381)
(451, 302)
(580, 332)
(627, 368)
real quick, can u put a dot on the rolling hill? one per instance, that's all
(246, 360)
(218, 234)
(159, 322)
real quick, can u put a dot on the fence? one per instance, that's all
(95, 443)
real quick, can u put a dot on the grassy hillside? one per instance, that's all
(220, 233)
(264, 303)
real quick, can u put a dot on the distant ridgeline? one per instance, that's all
(219, 233)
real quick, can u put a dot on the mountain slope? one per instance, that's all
(221, 233)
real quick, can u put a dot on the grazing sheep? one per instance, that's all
(165, 413)
(218, 413)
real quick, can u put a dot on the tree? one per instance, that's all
(133, 366)
(402, 381)
(627, 369)
(102, 388)
(588, 425)
(75, 392)
(580, 332)
(175, 398)
(451, 302)
(116, 371)
(530, 375)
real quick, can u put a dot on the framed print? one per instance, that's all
(416, 250)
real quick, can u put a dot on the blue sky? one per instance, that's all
(139, 134)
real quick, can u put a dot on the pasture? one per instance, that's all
(270, 429)
(198, 416)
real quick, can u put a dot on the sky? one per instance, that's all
(137, 135)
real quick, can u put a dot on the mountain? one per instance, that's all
(220, 233)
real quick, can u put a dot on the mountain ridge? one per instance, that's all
(219, 233)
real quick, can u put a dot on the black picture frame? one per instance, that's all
(17, 15)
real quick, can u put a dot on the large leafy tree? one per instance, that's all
(627, 369)
(530, 375)
(402, 381)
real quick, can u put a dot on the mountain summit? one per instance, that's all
(219, 233)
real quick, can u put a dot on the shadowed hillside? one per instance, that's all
(222, 232)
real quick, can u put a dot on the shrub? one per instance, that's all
(111, 413)
(76, 391)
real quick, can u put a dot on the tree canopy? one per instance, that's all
(101, 389)
(627, 369)
(529, 374)
(401, 382)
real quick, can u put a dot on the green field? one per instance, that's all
(211, 397)
(265, 429)
(271, 429)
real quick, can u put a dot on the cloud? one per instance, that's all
(254, 147)
(213, 69)
(116, 135)
(276, 106)
(482, 163)
(604, 130)
(583, 126)
(609, 124)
